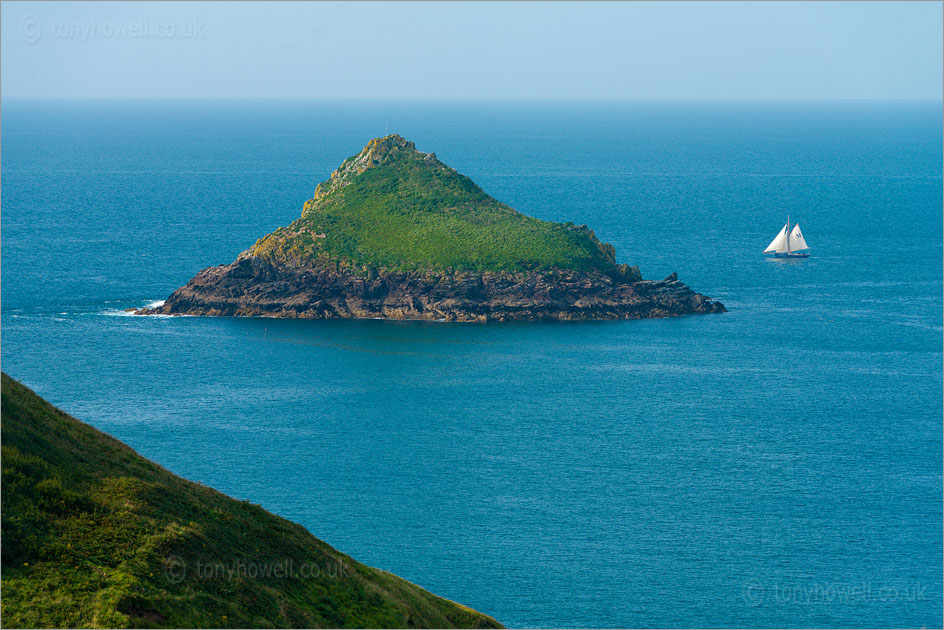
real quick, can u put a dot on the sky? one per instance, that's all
(607, 50)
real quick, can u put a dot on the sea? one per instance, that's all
(776, 465)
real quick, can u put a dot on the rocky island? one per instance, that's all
(395, 233)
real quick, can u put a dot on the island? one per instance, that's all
(96, 536)
(396, 234)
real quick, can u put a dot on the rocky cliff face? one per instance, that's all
(256, 287)
(395, 233)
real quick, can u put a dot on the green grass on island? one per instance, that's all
(393, 206)
(95, 535)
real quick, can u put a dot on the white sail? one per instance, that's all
(779, 244)
(797, 242)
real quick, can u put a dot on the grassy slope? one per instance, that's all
(408, 211)
(95, 535)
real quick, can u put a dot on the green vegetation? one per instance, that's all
(392, 206)
(96, 536)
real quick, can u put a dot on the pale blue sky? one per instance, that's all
(688, 50)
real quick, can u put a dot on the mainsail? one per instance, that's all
(779, 244)
(797, 242)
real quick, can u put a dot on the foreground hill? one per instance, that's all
(95, 535)
(395, 233)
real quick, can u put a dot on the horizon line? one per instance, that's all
(602, 99)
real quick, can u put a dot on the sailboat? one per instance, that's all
(788, 243)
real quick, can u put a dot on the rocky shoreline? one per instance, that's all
(257, 287)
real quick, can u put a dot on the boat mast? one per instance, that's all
(788, 234)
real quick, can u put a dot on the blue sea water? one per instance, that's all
(778, 465)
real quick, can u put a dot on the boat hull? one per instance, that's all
(802, 254)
